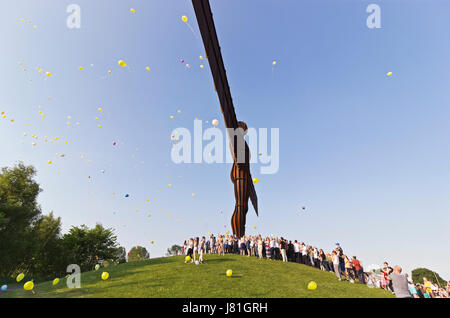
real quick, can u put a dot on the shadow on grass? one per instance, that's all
(218, 260)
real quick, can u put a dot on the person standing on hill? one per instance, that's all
(336, 264)
(399, 283)
(201, 248)
(358, 269)
(386, 271)
(297, 251)
(283, 247)
(260, 247)
(190, 249)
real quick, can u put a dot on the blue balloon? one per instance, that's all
(127, 195)
(4, 287)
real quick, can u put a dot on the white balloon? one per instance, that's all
(215, 122)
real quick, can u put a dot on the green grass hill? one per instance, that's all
(170, 277)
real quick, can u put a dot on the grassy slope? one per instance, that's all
(171, 277)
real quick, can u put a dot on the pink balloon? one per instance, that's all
(114, 143)
(182, 61)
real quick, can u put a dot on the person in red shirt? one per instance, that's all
(358, 269)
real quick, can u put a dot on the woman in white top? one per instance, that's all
(242, 246)
(260, 247)
(335, 259)
(195, 249)
(200, 250)
(252, 245)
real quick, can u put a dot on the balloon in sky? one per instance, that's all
(4, 287)
(147, 68)
(132, 10)
(255, 180)
(389, 74)
(55, 281)
(105, 275)
(20, 277)
(127, 195)
(312, 285)
(48, 74)
(215, 122)
(274, 62)
(229, 273)
(28, 285)
(122, 63)
(184, 18)
(303, 208)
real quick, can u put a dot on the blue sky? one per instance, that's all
(367, 154)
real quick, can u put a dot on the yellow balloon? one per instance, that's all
(274, 62)
(147, 68)
(48, 74)
(20, 277)
(229, 273)
(312, 285)
(50, 162)
(187, 258)
(184, 18)
(255, 180)
(105, 275)
(110, 72)
(132, 10)
(28, 285)
(81, 67)
(55, 281)
(389, 74)
(122, 63)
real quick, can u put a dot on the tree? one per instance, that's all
(173, 250)
(138, 253)
(49, 258)
(121, 255)
(19, 212)
(86, 246)
(419, 273)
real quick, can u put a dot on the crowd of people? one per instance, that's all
(336, 261)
